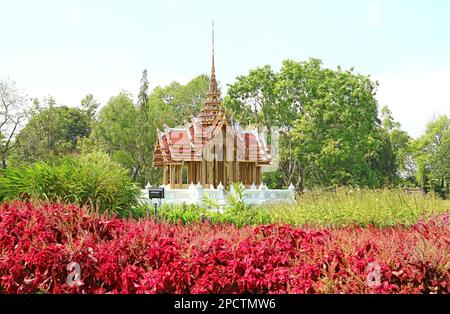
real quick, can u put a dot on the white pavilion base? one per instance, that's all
(196, 194)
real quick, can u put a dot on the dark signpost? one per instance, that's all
(155, 195)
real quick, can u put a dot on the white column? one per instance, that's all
(291, 189)
(262, 195)
(221, 198)
(198, 193)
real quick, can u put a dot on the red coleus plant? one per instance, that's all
(54, 248)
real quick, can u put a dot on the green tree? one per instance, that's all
(297, 88)
(252, 99)
(12, 116)
(144, 130)
(52, 131)
(329, 126)
(440, 164)
(396, 151)
(337, 134)
(90, 105)
(116, 132)
(183, 100)
(189, 98)
(262, 98)
(432, 156)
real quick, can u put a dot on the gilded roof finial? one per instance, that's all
(212, 107)
(212, 82)
(213, 69)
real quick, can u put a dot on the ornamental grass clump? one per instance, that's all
(92, 179)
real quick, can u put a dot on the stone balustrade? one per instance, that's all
(196, 194)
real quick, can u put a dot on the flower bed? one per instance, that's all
(43, 248)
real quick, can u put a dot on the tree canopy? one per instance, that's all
(52, 131)
(12, 116)
(331, 132)
(433, 155)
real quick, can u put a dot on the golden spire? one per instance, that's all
(213, 91)
(213, 69)
(212, 107)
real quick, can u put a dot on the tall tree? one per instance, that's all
(330, 129)
(433, 156)
(252, 99)
(116, 131)
(143, 92)
(440, 164)
(144, 152)
(52, 131)
(90, 105)
(296, 88)
(189, 99)
(337, 134)
(397, 151)
(12, 115)
(183, 100)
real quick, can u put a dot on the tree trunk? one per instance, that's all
(300, 179)
(135, 173)
(446, 190)
(423, 189)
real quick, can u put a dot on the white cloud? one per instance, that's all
(375, 17)
(415, 97)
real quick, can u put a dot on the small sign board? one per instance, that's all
(156, 193)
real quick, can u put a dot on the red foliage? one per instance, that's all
(118, 256)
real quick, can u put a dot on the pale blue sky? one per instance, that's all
(71, 48)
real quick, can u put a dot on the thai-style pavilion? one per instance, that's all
(212, 147)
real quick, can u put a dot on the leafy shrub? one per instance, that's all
(91, 179)
(182, 213)
(128, 256)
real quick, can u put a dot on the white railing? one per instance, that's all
(178, 196)
(196, 194)
(263, 194)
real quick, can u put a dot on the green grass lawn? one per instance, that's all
(339, 208)
(381, 208)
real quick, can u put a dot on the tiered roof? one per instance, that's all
(175, 145)
(186, 143)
